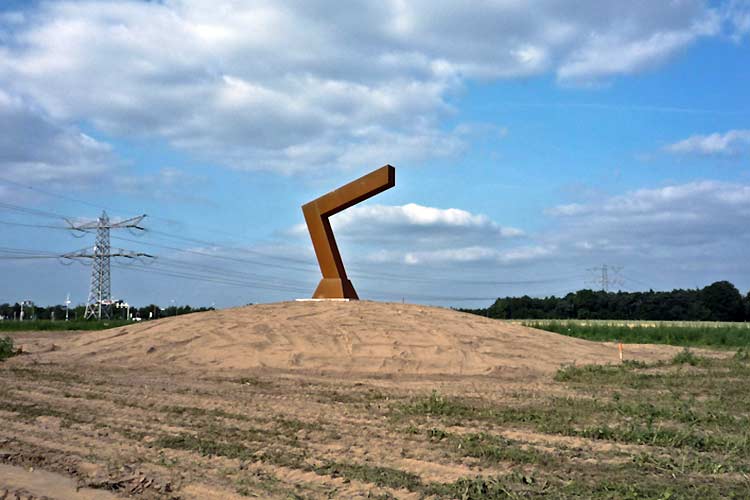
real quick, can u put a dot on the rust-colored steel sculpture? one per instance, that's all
(335, 284)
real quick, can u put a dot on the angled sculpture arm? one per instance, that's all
(335, 283)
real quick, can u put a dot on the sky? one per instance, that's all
(534, 143)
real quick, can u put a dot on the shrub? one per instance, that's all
(440, 406)
(6, 348)
(742, 354)
(686, 357)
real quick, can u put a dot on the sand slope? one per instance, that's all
(360, 336)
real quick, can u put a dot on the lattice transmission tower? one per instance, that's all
(99, 303)
(606, 276)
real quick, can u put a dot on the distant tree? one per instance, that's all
(586, 304)
(498, 310)
(724, 301)
(78, 312)
(720, 301)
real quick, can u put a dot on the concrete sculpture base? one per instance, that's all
(334, 288)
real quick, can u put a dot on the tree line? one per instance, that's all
(57, 312)
(720, 301)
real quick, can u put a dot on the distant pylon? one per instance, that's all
(606, 276)
(99, 303)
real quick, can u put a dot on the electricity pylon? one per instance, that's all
(608, 276)
(99, 303)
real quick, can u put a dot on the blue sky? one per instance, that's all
(532, 142)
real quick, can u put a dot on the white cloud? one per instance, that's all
(698, 224)
(465, 255)
(677, 219)
(680, 235)
(168, 184)
(459, 256)
(736, 13)
(38, 151)
(410, 214)
(418, 225)
(527, 253)
(414, 234)
(299, 85)
(35, 150)
(608, 55)
(365, 219)
(569, 209)
(728, 143)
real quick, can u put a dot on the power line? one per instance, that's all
(638, 282)
(215, 256)
(398, 277)
(26, 252)
(207, 279)
(18, 253)
(379, 276)
(307, 263)
(278, 282)
(30, 211)
(314, 267)
(243, 250)
(4, 257)
(237, 259)
(90, 204)
(161, 268)
(90, 226)
(309, 267)
(22, 250)
(166, 262)
(39, 226)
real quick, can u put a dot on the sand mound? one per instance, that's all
(360, 336)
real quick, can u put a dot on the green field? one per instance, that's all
(47, 325)
(688, 419)
(680, 333)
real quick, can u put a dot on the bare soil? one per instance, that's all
(293, 400)
(341, 337)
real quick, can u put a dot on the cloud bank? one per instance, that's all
(287, 86)
(706, 220)
(36, 149)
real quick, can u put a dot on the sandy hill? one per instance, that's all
(359, 336)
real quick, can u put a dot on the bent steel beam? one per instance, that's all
(335, 284)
